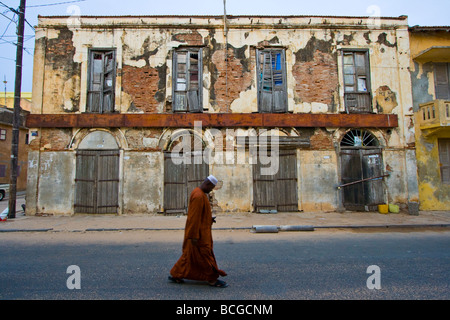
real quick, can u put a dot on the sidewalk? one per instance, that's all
(225, 220)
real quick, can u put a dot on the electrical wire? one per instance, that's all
(54, 4)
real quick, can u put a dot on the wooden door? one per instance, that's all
(97, 181)
(357, 165)
(180, 179)
(277, 192)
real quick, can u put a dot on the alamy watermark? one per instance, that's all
(262, 145)
(375, 16)
(75, 13)
(374, 280)
(74, 280)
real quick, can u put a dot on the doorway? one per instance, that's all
(184, 170)
(97, 174)
(277, 192)
(362, 173)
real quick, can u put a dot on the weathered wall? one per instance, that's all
(144, 63)
(318, 180)
(144, 52)
(142, 181)
(433, 194)
(53, 175)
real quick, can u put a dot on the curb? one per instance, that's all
(253, 229)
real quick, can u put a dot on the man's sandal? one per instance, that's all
(176, 280)
(219, 284)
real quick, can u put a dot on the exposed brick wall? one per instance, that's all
(142, 85)
(316, 80)
(321, 140)
(191, 39)
(233, 75)
(135, 138)
(52, 139)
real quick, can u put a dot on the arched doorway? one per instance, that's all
(276, 191)
(361, 171)
(97, 174)
(184, 170)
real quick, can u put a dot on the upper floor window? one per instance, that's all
(441, 80)
(187, 80)
(357, 81)
(271, 73)
(101, 81)
(2, 134)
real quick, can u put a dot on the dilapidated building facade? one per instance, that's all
(430, 77)
(131, 113)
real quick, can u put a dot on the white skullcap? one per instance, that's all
(212, 179)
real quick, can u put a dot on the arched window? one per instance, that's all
(358, 138)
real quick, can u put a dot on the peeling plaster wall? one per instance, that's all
(55, 183)
(143, 178)
(433, 194)
(144, 62)
(318, 179)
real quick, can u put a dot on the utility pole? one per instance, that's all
(16, 116)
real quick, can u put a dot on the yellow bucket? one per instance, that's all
(383, 208)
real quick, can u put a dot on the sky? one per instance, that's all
(419, 12)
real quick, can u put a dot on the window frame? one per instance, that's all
(277, 96)
(104, 90)
(353, 100)
(193, 94)
(441, 87)
(3, 133)
(444, 164)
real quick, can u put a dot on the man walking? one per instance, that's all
(197, 261)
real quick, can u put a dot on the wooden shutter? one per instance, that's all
(444, 159)
(102, 73)
(194, 81)
(109, 80)
(441, 79)
(266, 82)
(356, 82)
(95, 95)
(187, 93)
(272, 95)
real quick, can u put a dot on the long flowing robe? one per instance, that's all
(197, 262)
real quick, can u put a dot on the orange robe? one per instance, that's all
(197, 262)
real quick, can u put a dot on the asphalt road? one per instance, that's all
(308, 265)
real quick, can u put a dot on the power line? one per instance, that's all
(7, 17)
(54, 4)
(7, 58)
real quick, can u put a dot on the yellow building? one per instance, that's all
(430, 74)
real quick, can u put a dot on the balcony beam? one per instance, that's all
(216, 120)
